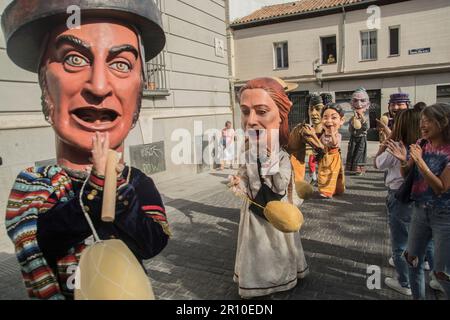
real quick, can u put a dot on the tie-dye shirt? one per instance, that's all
(437, 159)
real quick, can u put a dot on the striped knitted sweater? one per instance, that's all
(38, 194)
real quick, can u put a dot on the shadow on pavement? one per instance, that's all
(11, 282)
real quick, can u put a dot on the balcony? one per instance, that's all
(156, 82)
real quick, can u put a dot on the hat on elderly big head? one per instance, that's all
(26, 23)
(399, 98)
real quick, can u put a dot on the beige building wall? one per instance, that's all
(198, 90)
(423, 24)
(198, 79)
(254, 53)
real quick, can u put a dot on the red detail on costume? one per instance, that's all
(47, 293)
(19, 195)
(312, 163)
(97, 181)
(154, 208)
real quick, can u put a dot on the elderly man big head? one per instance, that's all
(92, 82)
(91, 78)
(91, 75)
(358, 127)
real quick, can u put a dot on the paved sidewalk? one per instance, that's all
(341, 238)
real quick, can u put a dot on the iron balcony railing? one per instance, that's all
(157, 74)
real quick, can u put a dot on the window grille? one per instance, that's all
(156, 70)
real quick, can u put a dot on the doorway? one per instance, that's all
(299, 110)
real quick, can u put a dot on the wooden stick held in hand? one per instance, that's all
(110, 188)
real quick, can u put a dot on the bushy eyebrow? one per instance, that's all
(80, 44)
(72, 40)
(123, 48)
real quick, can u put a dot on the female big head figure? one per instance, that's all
(267, 260)
(265, 106)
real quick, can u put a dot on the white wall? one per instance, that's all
(423, 24)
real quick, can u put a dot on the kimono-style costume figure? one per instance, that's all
(304, 140)
(331, 178)
(315, 117)
(357, 147)
(267, 260)
(91, 79)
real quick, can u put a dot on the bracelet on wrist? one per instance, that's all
(426, 169)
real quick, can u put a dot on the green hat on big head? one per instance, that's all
(26, 23)
(315, 99)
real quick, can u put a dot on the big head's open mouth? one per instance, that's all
(95, 119)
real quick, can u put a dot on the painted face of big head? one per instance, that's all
(360, 102)
(259, 111)
(332, 120)
(92, 82)
(315, 114)
(395, 107)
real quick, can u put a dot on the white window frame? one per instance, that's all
(371, 58)
(277, 45)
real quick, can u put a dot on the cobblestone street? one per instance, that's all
(174, 90)
(341, 238)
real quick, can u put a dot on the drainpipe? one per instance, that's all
(231, 70)
(342, 60)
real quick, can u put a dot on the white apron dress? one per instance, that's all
(267, 260)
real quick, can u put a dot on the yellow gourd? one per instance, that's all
(108, 270)
(304, 189)
(284, 216)
(356, 123)
(384, 119)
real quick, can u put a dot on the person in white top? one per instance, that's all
(227, 146)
